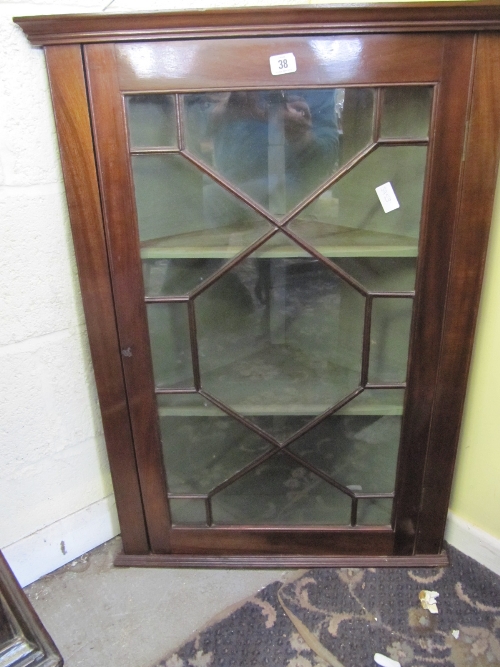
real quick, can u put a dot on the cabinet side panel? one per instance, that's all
(469, 251)
(439, 219)
(113, 163)
(69, 96)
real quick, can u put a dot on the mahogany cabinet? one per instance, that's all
(280, 218)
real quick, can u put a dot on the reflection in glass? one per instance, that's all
(188, 510)
(281, 491)
(359, 207)
(275, 335)
(276, 146)
(188, 224)
(151, 120)
(359, 452)
(356, 121)
(170, 345)
(348, 220)
(390, 338)
(203, 446)
(406, 111)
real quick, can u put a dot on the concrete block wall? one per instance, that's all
(55, 487)
(53, 461)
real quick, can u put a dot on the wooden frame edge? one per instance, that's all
(407, 17)
(40, 649)
(107, 116)
(68, 88)
(480, 167)
(441, 211)
(279, 561)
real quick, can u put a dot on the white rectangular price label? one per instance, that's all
(283, 64)
(387, 197)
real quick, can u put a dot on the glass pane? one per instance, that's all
(281, 426)
(276, 146)
(151, 120)
(356, 121)
(280, 334)
(374, 512)
(170, 344)
(281, 491)
(188, 224)
(358, 451)
(349, 221)
(375, 402)
(187, 510)
(202, 446)
(176, 277)
(406, 112)
(390, 339)
(381, 274)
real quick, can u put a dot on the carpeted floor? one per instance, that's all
(342, 617)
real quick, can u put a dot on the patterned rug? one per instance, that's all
(342, 617)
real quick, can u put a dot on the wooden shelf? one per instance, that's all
(388, 402)
(329, 239)
(280, 410)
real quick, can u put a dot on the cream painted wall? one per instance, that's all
(53, 460)
(476, 489)
(54, 478)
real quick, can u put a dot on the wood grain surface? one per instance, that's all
(481, 157)
(111, 144)
(274, 21)
(438, 223)
(69, 97)
(244, 63)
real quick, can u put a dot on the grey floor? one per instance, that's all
(102, 616)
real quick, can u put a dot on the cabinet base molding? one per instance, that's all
(286, 561)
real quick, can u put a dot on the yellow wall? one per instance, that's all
(476, 489)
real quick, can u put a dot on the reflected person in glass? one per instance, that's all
(276, 146)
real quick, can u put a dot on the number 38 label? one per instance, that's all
(283, 64)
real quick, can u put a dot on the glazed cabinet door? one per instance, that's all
(279, 216)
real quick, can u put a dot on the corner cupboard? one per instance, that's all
(280, 218)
